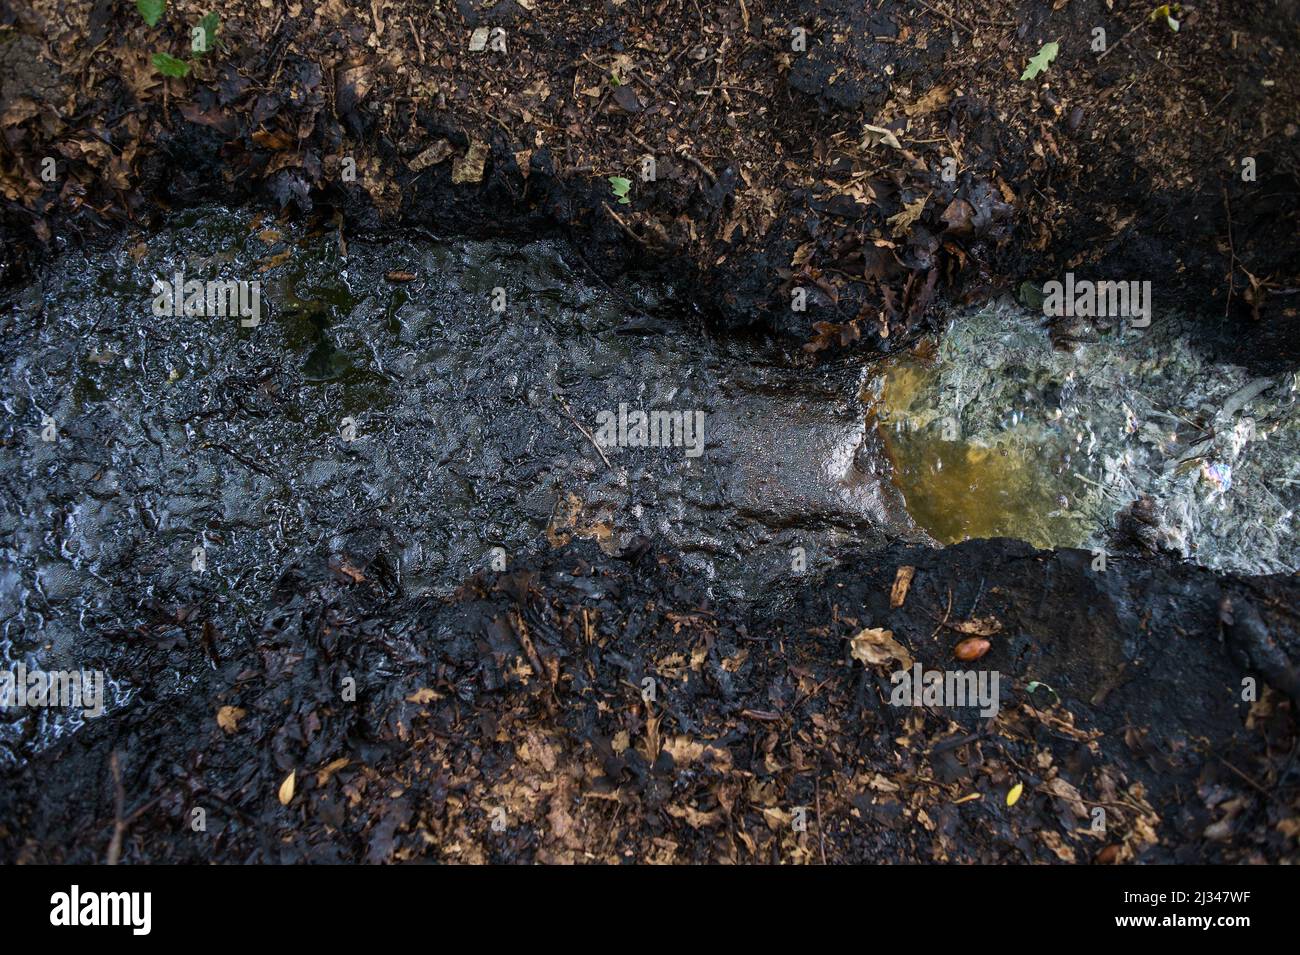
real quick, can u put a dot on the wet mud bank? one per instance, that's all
(510, 723)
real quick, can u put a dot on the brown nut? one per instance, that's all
(972, 648)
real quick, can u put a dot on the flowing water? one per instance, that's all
(418, 410)
(995, 432)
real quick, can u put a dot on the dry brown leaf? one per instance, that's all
(1063, 790)
(878, 134)
(20, 110)
(934, 97)
(228, 717)
(431, 156)
(685, 750)
(278, 259)
(422, 696)
(324, 775)
(694, 818)
(1054, 842)
(469, 167)
(902, 222)
(977, 626)
(276, 139)
(876, 646)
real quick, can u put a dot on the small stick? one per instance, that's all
(951, 19)
(1232, 254)
(1118, 42)
(821, 834)
(623, 225)
(699, 165)
(585, 433)
(119, 799)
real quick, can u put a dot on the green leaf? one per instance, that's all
(168, 65)
(620, 186)
(1040, 60)
(209, 25)
(151, 10)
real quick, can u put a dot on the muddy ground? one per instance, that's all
(508, 723)
(1120, 164)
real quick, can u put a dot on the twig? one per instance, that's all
(585, 433)
(944, 622)
(623, 225)
(419, 45)
(951, 19)
(1106, 52)
(698, 165)
(1246, 778)
(119, 801)
(1232, 254)
(821, 833)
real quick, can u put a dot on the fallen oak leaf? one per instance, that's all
(1041, 60)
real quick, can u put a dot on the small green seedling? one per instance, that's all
(1167, 12)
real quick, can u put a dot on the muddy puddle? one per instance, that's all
(413, 411)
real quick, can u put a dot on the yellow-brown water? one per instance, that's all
(958, 488)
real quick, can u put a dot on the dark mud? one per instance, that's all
(385, 410)
(509, 724)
